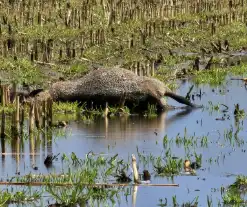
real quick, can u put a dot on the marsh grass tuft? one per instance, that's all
(217, 76)
(187, 141)
(235, 191)
(66, 107)
(151, 111)
(170, 168)
(19, 197)
(239, 113)
(21, 70)
(92, 169)
(240, 183)
(232, 198)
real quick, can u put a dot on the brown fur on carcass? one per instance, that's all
(112, 86)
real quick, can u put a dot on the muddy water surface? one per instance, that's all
(222, 159)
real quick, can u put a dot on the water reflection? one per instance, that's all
(134, 195)
(129, 126)
(31, 152)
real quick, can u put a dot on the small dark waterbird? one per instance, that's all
(190, 167)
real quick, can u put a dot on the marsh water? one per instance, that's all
(222, 158)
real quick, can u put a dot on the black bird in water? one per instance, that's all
(146, 175)
(48, 160)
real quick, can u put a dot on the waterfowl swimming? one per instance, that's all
(195, 165)
(190, 167)
(61, 124)
(187, 167)
(146, 175)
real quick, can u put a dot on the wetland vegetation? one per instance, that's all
(69, 154)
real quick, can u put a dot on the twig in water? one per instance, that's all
(243, 79)
(189, 92)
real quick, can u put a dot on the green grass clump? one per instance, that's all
(170, 168)
(9, 109)
(77, 175)
(217, 76)
(20, 70)
(151, 111)
(19, 197)
(212, 77)
(232, 198)
(239, 113)
(74, 69)
(186, 141)
(66, 107)
(241, 181)
(235, 191)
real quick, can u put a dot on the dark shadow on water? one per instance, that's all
(178, 116)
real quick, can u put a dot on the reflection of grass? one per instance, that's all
(193, 203)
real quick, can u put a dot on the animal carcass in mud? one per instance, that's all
(115, 86)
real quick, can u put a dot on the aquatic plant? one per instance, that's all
(66, 107)
(209, 201)
(21, 196)
(198, 159)
(119, 111)
(240, 183)
(217, 76)
(233, 137)
(212, 77)
(80, 176)
(234, 193)
(161, 204)
(76, 193)
(174, 201)
(239, 113)
(151, 111)
(232, 198)
(170, 168)
(193, 203)
(186, 141)
(213, 107)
